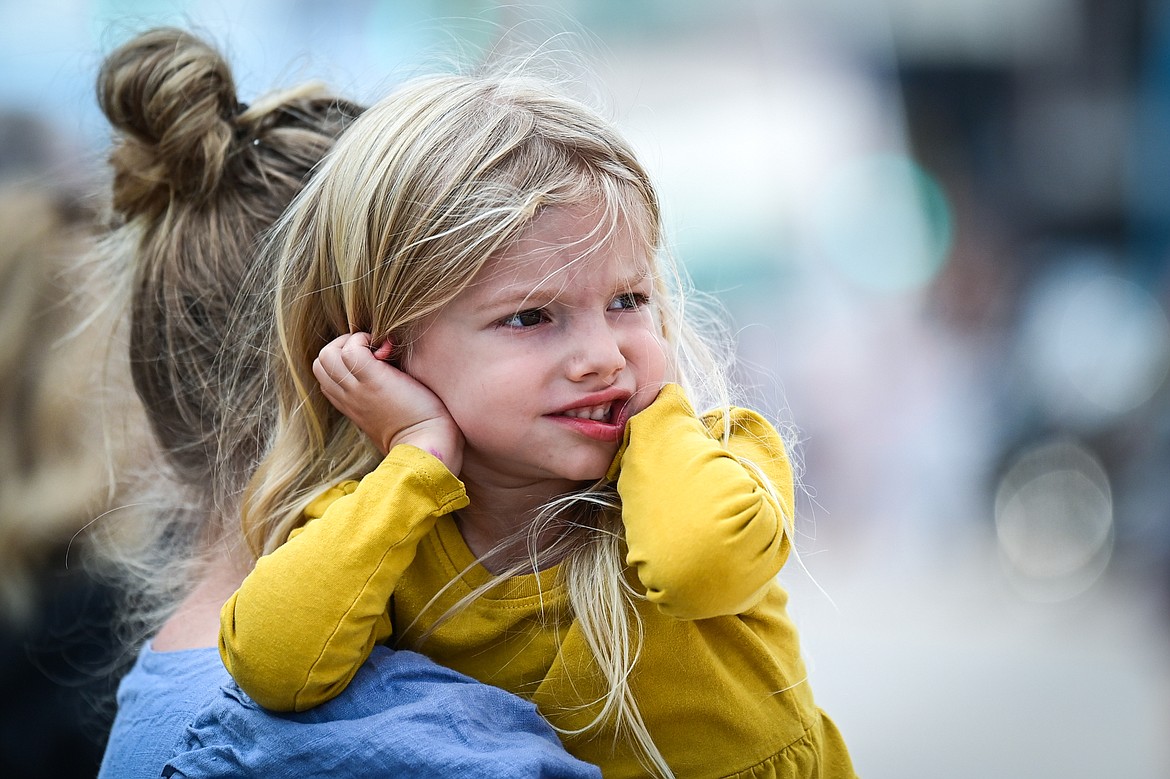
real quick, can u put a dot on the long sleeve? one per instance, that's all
(308, 615)
(707, 527)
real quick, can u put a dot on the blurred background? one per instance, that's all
(942, 231)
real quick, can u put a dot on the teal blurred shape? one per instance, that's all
(884, 222)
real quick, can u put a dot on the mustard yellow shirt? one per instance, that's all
(720, 682)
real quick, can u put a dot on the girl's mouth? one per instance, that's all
(602, 421)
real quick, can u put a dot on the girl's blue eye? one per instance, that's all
(629, 300)
(529, 318)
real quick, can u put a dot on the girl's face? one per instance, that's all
(548, 352)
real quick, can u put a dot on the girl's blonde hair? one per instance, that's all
(429, 184)
(198, 177)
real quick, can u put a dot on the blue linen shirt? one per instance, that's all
(157, 700)
(402, 716)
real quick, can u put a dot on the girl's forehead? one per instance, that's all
(568, 245)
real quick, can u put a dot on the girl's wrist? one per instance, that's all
(441, 443)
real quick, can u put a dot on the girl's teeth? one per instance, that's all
(597, 413)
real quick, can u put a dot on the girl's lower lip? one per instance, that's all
(608, 432)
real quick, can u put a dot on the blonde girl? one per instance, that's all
(486, 449)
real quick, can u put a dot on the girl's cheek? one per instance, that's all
(660, 367)
(668, 370)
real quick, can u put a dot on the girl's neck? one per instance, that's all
(497, 524)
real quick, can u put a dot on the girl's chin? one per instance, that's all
(557, 477)
(587, 473)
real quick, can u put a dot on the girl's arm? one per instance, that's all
(307, 616)
(707, 527)
(305, 619)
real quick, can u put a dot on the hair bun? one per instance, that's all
(171, 98)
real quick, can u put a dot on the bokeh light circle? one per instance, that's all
(1096, 345)
(884, 222)
(1054, 520)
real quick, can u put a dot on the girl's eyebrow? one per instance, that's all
(521, 295)
(524, 295)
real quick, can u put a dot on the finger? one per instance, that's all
(320, 373)
(329, 385)
(332, 366)
(328, 356)
(359, 339)
(356, 353)
(337, 343)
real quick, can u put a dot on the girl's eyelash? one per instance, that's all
(517, 320)
(535, 316)
(631, 300)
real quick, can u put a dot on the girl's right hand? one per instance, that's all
(386, 403)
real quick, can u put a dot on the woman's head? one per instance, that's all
(198, 177)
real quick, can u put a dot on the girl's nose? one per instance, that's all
(597, 353)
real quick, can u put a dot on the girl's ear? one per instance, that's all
(385, 352)
(394, 349)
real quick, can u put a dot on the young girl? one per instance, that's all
(474, 282)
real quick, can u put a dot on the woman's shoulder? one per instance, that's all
(402, 713)
(180, 679)
(158, 700)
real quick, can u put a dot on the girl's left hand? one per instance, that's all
(386, 403)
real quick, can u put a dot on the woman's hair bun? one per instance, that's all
(172, 100)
